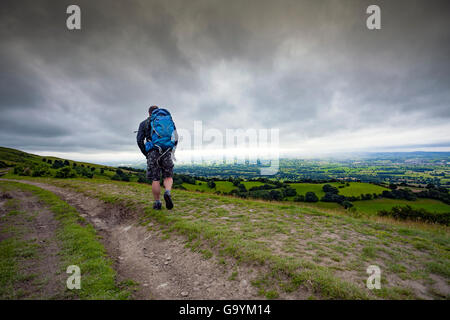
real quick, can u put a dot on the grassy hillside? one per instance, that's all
(13, 157)
(353, 189)
(291, 246)
(25, 164)
(373, 206)
(222, 186)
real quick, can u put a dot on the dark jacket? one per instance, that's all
(144, 135)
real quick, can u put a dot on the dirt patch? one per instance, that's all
(163, 268)
(37, 227)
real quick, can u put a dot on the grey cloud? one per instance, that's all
(310, 68)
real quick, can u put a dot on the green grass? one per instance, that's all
(300, 246)
(355, 188)
(12, 251)
(292, 240)
(14, 157)
(81, 247)
(222, 186)
(373, 206)
(222, 239)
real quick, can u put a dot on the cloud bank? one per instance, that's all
(310, 68)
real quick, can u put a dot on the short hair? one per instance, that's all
(150, 110)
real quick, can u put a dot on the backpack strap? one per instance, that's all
(148, 127)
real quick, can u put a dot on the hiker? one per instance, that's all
(161, 137)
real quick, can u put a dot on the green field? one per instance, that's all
(222, 186)
(373, 206)
(355, 188)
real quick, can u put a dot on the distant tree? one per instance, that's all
(430, 186)
(102, 171)
(242, 188)
(311, 197)
(289, 192)
(211, 184)
(236, 182)
(279, 184)
(409, 213)
(404, 193)
(386, 194)
(275, 195)
(41, 171)
(18, 170)
(57, 164)
(347, 204)
(330, 189)
(44, 160)
(299, 198)
(92, 169)
(66, 163)
(392, 186)
(119, 172)
(49, 161)
(332, 197)
(65, 172)
(443, 190)
(116, 177)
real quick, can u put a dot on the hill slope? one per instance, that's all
(271, 249)
(282, 250)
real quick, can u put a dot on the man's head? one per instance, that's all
(150, 110)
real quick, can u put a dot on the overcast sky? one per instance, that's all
(310, 68)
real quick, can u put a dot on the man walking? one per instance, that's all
(161, 137)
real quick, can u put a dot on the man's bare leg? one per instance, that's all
(168, 183)
(156, 190)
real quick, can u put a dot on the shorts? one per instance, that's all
(158, 165)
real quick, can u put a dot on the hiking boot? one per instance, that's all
(157, 205)
(168, 200)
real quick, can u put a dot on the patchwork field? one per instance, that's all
(354, 188)
(373, 206)
(222, 186)
(370, 207)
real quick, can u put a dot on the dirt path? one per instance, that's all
(39, 263)
(164, 269)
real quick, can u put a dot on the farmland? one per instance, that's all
(415, 168)
(353, 189)
(284, 246)
(429, 169)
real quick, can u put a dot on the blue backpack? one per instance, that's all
(162, 128)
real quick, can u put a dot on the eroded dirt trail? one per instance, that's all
(164, 269)
(35, 224)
